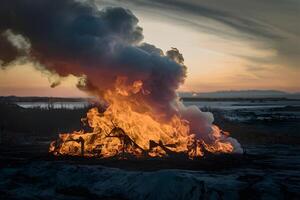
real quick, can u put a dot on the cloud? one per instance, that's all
(265, 24)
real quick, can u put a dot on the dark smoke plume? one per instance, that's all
(72, 37)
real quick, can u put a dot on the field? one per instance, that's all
(267, 129)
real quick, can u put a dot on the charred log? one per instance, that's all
(126, 141)
(81, 141)
(170, 153)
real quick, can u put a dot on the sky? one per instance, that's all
(226, 45)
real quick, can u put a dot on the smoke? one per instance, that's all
(71, 37)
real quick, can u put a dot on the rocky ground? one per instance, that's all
(272, 172)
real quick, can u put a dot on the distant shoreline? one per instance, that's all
(192, 99)
(43, 99)
(13, 99)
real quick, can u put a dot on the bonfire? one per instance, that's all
(129, 128)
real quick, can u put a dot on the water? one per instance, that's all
(56, 105)
(233, 105)
(223, 105)
(231, 110)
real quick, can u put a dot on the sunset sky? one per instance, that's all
(227, 45)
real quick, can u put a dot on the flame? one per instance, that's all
(128, 127)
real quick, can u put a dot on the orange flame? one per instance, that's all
(129, 127)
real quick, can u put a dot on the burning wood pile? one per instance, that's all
(123, 131)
